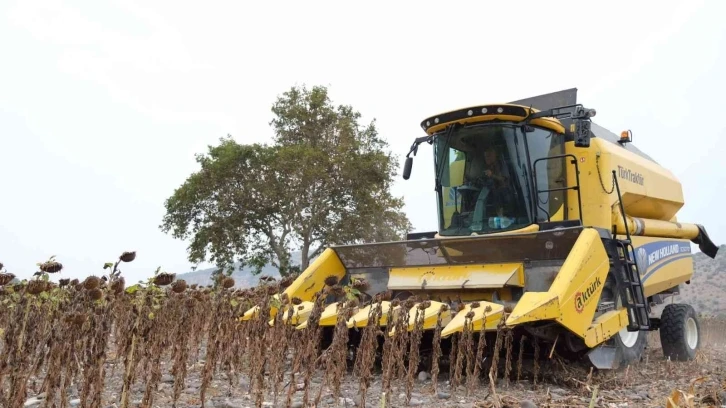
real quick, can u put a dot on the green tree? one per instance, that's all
(324, 180)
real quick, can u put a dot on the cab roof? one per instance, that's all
(485, 113)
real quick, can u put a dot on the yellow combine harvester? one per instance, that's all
(546, 219)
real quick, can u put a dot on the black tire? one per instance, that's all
(630, 345)
(631, 353)
(678, 324)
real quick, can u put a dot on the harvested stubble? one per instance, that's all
(87, 332)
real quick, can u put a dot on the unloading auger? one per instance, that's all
(549, 225)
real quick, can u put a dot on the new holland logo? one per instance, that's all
(642, 260)
(584, 297)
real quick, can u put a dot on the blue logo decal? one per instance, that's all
(667, 251)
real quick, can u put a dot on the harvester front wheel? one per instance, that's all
(631, 344)
(625, 347)
(680, 332)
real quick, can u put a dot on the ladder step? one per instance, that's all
(638, 307)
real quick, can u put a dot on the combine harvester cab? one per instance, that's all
(549, 225)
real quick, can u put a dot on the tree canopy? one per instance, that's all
(325, 179)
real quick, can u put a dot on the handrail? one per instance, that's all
(575, 187)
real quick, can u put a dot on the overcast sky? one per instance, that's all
(103, 104)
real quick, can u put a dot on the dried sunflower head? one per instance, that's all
(331, 280)
(460, 307)
(164, 278)
(128, 256)
(92, 282)
(51, 266)
(6, 278)
(228, 282)
(470, 315)
(475, 305)
(286, 281)
(337, 290)
(36, 287)
(118, 285)
(296, 300)
(179, 286)
(63, 282)
(361, 284)
(409, 303)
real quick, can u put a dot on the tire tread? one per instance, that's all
(673, 331)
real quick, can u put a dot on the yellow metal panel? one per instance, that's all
(529, 229)
(653, 228)
(605, 326)
(300, 313)
(254, 311)
(580, 281)
(648, 190)
(329, 317)
(493, 316)
(453, 277)
(535, 306)
(517, 279)
(312, 280)
(360, 319)
(573, 296)
(670, 274)
(430, 316)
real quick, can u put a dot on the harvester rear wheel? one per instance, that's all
(680, 332)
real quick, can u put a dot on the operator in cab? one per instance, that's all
(496, 179)
(493, 169)
(487, 195)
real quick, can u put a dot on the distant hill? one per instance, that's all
(706, 293)
(243, 277)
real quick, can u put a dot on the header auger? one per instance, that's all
(550, 227)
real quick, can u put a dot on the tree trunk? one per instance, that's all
(305, 256)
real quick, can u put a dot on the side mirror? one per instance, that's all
(407, 168)
(581, 133)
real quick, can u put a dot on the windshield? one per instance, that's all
(486, 182)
